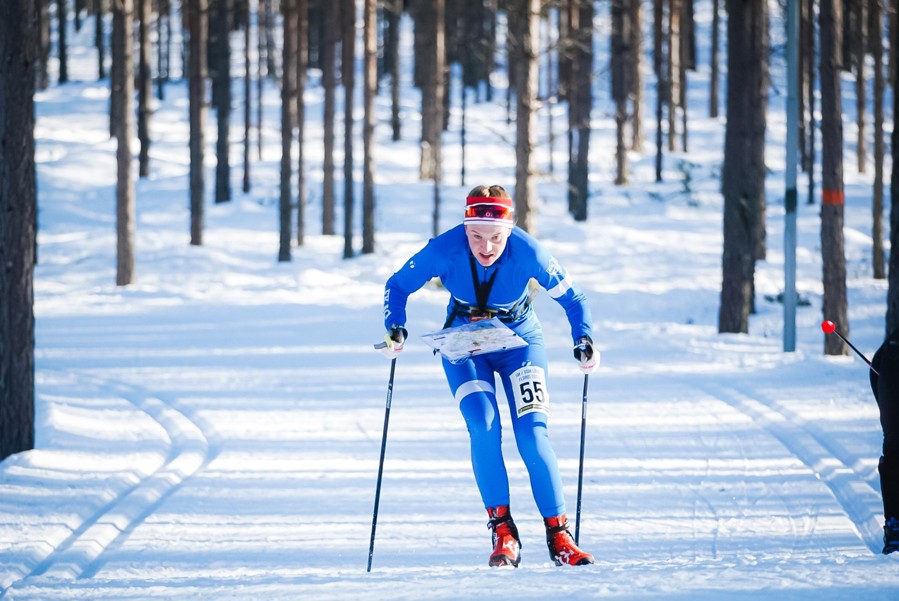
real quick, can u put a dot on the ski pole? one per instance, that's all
(580, 470)
(374, 517)
(830, 327)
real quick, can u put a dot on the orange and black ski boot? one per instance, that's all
(562, 548)
(506, 544)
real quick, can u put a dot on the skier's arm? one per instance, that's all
(414, 274)
(559, 285)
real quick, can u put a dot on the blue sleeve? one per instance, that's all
(414, 274)
(559, 285)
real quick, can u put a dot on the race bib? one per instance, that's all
(529, 389)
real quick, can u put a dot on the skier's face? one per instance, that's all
(487, 242)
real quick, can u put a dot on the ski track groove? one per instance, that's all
(810, 446)
(701, 499)
(82, 554)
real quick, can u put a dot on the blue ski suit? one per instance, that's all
(522, 370)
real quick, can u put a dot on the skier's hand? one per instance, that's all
(394, 340)
(587, 356)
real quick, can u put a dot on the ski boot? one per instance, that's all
(890, 536)
(506, 544)
(562, 548)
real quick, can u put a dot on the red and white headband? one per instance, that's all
(489, 210)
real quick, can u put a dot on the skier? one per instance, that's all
(486, 264)
(886, 392)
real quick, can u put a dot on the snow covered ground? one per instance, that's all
(213, 431)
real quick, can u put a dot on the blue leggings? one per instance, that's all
(472, 384)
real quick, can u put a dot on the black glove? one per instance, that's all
(397, 333)
(587, 357)
(394, 341)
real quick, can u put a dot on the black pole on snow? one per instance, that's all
(580, 469)
(374, 517)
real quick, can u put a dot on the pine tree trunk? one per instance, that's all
(163, 46)
(426, 63)
(115, 107)
(835, 306)
(220, 73)
(526, 38)
(197, 100)
(370, 85)
(635, 61)
(329, 82)
(583, 100)
(810, 75)
(463, 108)
(658, 64)
(713, 58)
(184, 47)
(123, 21)
(894, 41)
(302, 70)
(436, 117)
(892, 318)
(861, 44)
(447, 76)
(674, 70)
(247, 98)
(686, 51)
(421, 40)
(551, 96)
(568, 69)
(877, 253)
(567, 19)
(145, 88)
(475, 43)
(394, 10)
(288, 118)
(43, 44)
(260, 74)
(18, 205)
(512, 53)
(761, 210)
(99, 38)
(743, 171)
(62, 15)
(348, 64)
(688, 27)
(490, 48)
(269, 28)
(620, 86)
(804, 8)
